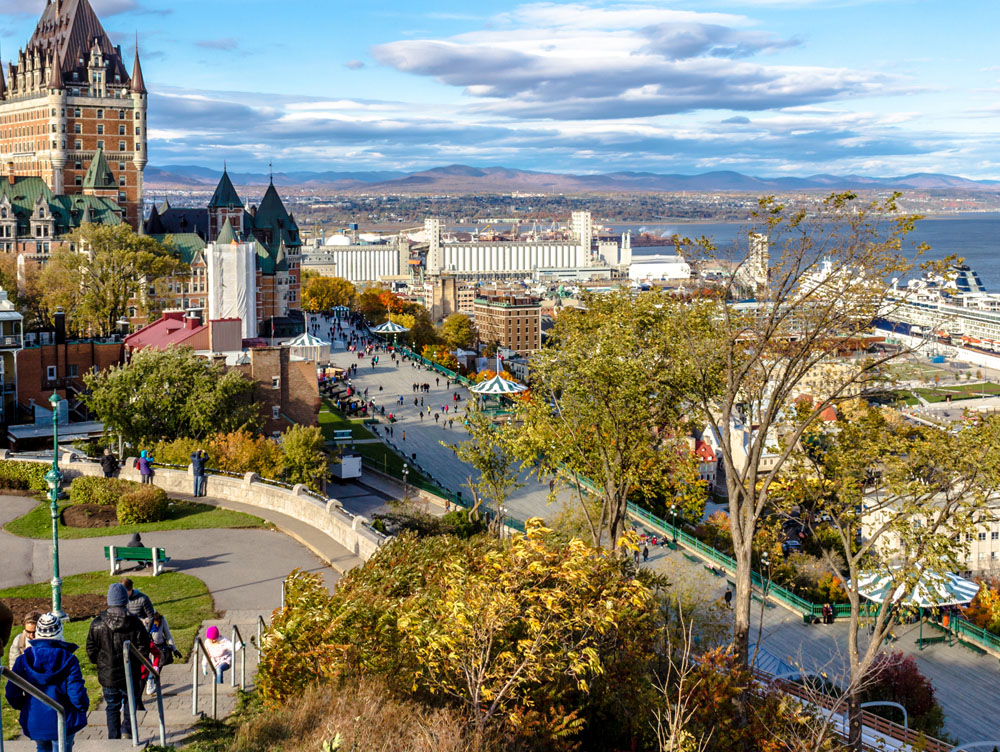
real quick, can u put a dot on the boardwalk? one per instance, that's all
(965, 682)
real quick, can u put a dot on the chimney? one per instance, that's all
(191, 321)
(60, 324)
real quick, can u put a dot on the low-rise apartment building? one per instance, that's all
(510, 319)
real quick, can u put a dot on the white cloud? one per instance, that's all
(581, 61)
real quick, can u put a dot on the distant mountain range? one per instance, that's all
(465, 179)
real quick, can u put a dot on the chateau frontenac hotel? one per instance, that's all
(72, 132)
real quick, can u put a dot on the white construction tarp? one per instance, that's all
(232, 284)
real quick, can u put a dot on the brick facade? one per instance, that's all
(69, 97)
(69, 361)
(290, 386)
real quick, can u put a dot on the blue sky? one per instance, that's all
(766, 87)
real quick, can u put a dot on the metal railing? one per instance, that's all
(129, 652)
(199, 647)
(241, 647)
(32, 689)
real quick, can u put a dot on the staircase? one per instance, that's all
(177, 697)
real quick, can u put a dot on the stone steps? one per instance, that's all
(179, 720)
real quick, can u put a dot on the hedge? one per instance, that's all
(145, 504)
(23, 476)
(103, 491)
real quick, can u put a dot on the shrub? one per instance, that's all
(896, 677)
(242, 452)
(459, 524)
(23, 476)
(144, 504)
(176, 452)
(305, 459)
(103, 491)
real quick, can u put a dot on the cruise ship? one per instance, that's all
(953, 314)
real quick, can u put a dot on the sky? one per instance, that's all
(763, 87)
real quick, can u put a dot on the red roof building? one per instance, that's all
(175, 329)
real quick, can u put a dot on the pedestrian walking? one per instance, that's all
(421, 416)
(436, 416)
(728, 598)
(139, 604)
(108, 633)
(159, 634)
(404, 435)
(20, 643)
(199, 458)
(52, 666)
(109, 464)
(220, 650)
(437, 381)
(145, 464)
(645, 554)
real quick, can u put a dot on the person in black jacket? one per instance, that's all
(108, 633)
(109, 464)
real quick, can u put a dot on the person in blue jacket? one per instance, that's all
(49, 663)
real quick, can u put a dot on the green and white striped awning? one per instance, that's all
(498, 386)
(933, 589)
(390, 327)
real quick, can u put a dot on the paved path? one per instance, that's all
(965, 682)
(424, 436)
(228, 561)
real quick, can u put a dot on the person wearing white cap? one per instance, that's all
(50, 665)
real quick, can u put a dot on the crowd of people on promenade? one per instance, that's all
(40, 654)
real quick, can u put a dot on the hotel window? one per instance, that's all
(100, 144)
(72, 371)
(982, 536)
(121, 114)
(275, 411)
(121, 130)
(100, 130)
(121, 146)
(276, 382)
(51, 373)
(77, 128)
(994, 536)
(100, 114)
(78, 144)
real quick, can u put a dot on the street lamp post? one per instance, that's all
(765, 563)
(54, 480)
(673, 515)
(406, 472)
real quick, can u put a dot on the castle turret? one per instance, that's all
(139, 100)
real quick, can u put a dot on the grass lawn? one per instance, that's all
(182, 515)
(183, 599)
(331, 419)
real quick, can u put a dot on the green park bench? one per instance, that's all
(154, 556)
(343, 434)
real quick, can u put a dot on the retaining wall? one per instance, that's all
(325, 515)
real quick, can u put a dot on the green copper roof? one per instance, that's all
(264, 260)
(225, 195)
(99, 175)
(69, 212)
(226, 235)
(187, 244)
